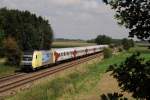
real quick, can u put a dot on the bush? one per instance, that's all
(107, 53)
(120, 49)
(127, 43)
(103, 39)
(133, 75)
(12, 51)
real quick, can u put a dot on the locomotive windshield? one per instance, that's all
(27, 58)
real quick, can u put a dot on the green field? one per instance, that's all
(6, 69)
(76, 83)
(64, 44)
(70, 85)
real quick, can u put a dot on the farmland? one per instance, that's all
(76, 83)
(64, 44)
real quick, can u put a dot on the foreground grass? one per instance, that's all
(71, 85)
(75, 84)
(145, 52)
(6, 69)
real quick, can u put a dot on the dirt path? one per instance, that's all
(109, 85)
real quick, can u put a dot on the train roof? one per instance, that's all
(77, 48)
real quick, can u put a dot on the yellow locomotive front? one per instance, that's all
(37, 59)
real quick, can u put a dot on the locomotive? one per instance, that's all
(41, 58)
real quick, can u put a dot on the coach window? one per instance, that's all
(61, 54)
(64, 53)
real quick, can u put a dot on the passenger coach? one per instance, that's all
(41, 58)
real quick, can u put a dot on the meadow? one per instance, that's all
(78, 83)
(64, 44)
(6, 69)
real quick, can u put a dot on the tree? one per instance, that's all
(134, 15)
(29, 31)
(133, 75)
(2, 35)
(127, 43)
(103, 39)
(12, 51)
(107, 53)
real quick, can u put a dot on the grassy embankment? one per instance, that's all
(69, 86)
(74, 84)
(77, 83)
(5, 69)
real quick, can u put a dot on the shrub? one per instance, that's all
(127, 43)
(133, 75)
(120, 49)
(107, 52)
(12, 51)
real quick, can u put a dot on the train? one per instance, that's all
(41, 58)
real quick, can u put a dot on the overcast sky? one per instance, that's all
(74, 19)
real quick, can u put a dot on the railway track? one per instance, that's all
(14, 81)
(11, 77)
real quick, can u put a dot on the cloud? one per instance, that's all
(72, 16)
(66, 2)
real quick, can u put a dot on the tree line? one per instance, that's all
(22, 31)
(103, 39)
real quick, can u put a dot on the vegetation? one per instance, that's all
(127, 44)
(107, 53)
(25, 30)
(71, 85)
(103, 39)
(134, 15)
(134, 76)
(77, 82)
(64, 44)
(12, 51)
(6, 69)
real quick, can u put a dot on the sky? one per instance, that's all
(73, 19)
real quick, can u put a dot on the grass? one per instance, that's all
(77, 83)
(70, 85)
(5, 69)
(145, 52)
(64, 44)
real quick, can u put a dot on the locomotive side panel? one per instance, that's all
(42, 58)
